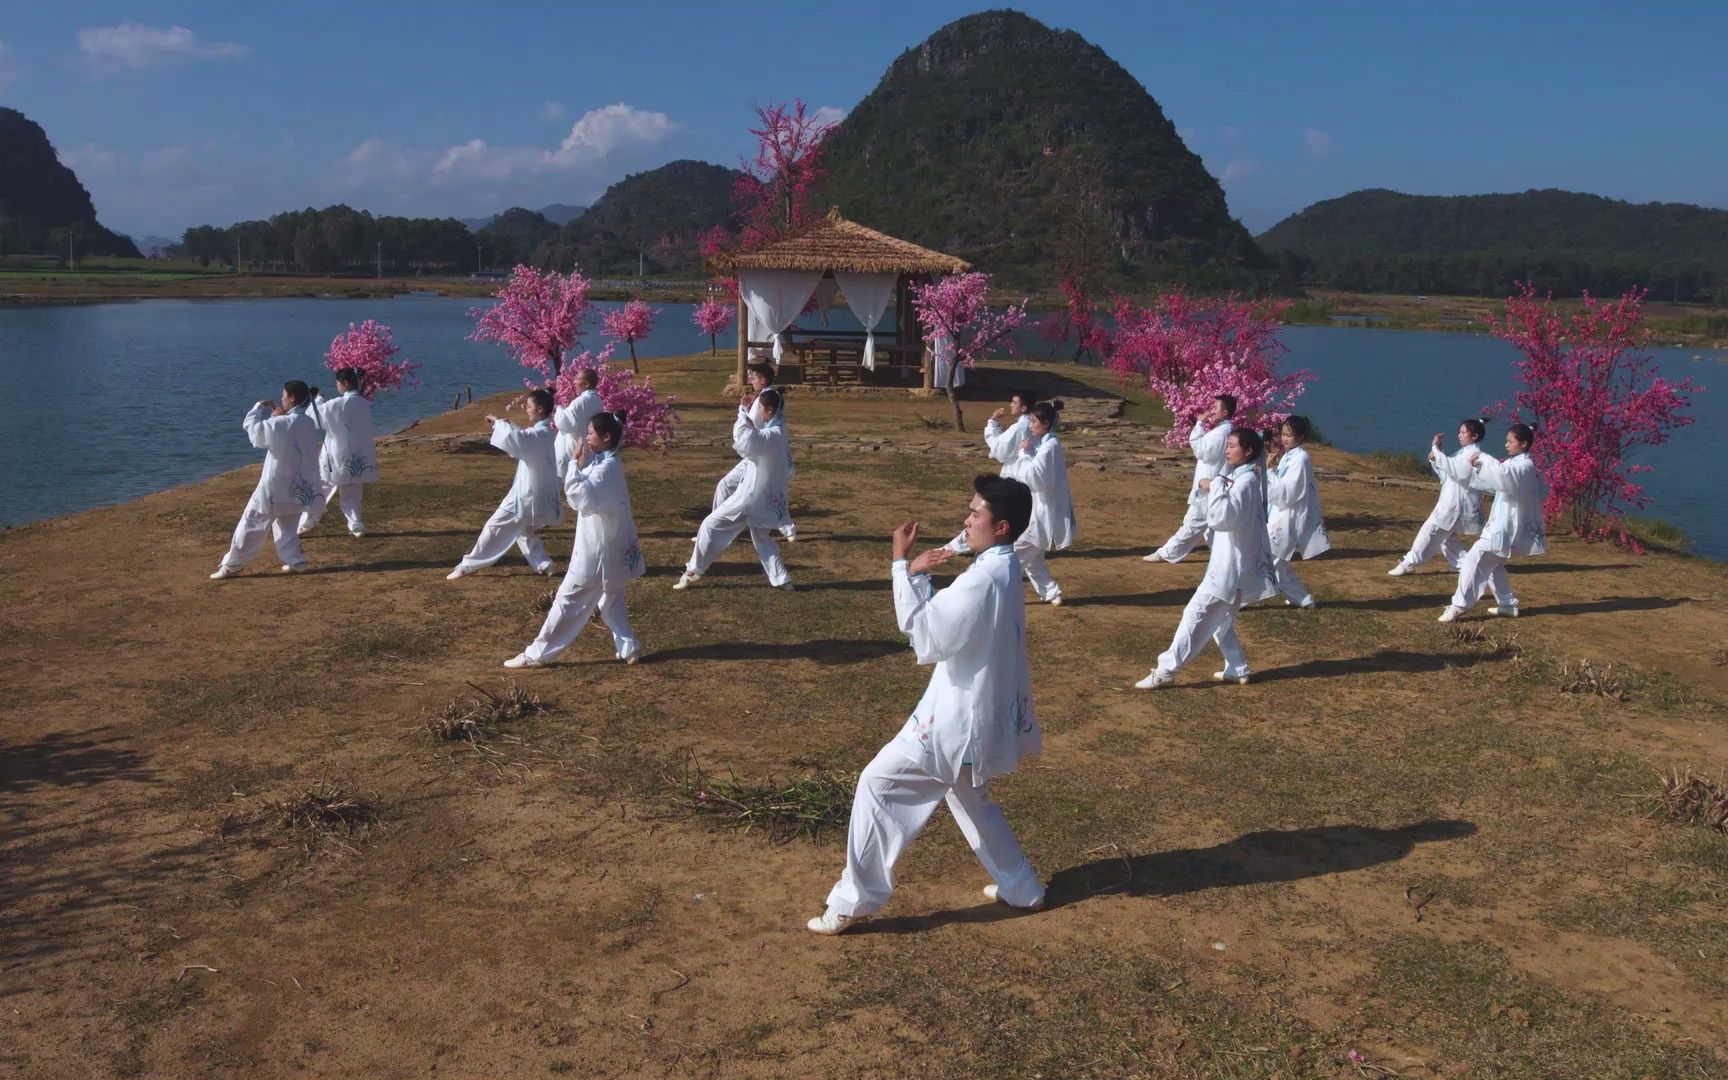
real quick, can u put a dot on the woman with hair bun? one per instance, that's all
(1514, 526)
(349, 459)
(606, 557)
(1295, 526)
(1038, 463)
(1459, 509)
(759, 504)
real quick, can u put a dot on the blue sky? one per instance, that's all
(183, 113)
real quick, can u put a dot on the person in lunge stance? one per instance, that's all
(1295, 525)
(974, 723)
(1238, 570)
(286, 487)
(1207, 442)
(1514, 525)
(760, 376)
(533, 502)
(571, 419)
(349, 459)
(1038, 463)
(1459, 509)
(758, 504)
(607, 555)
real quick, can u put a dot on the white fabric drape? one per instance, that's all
(943, 352)
(775, 297)
(825, 290)
(868, 295)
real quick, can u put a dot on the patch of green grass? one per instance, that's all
(1407, 464)
(1656, 533)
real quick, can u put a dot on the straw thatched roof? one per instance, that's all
(834, 243)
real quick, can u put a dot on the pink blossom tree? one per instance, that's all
(538, 317)
(957, 309)
(1595, 398)
(629, 324)
(1188, 351)
(370, 349)
(652, 422)
(712, 317)
(773, 194)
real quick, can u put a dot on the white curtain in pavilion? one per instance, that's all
(825, 290)
(943, 352)
(775, 297)
(868, 295)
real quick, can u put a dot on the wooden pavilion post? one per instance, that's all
(737, 385)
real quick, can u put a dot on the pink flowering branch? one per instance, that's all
(957, 309)
(652, 423)
(773, 194)
(1595, 398)
(537, 317)
(712, 317)
(370, 348)
(629, 324)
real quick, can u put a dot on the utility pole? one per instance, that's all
(640, 272)
(380, 258)
(71, 261)
(236, 253)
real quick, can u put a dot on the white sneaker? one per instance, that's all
(786, 586)
(1056, 601)
(1451, 613)
(356, 533)
(1399, 571)
(222, 572)
(1225, 676)
(631, 659)
(830, 924)
(456, 573)
(294, 568)
(1159, 677)
(1508, 612)
(304, 529)
(684, 581)
(790, 537)
(521, 660)
(549, 569)
(1307, 605)
(1156, 556)
(990, 890)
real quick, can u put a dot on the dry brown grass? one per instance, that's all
(1589, 679)
(478, 717)
(1689, 798)
(786, 809)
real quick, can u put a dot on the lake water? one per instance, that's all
(104, 402)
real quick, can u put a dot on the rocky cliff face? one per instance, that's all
(39, 194)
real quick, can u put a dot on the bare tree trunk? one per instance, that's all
(953, 370)
(634, 366)
(713, 344)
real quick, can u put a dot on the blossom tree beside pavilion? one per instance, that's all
(956, 311)
(370, 348)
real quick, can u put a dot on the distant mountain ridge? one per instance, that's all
(557, 213)
(1565, 241)
(653, 220)
(42, 204)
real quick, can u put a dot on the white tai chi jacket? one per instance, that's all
(1208, 447)
(977, 710)
(760, 500)
(349, 455)
(1004, 443)
(1459, 508)
(1515, 524)
(1239, 569)
(533, 496)
(572, 422)
(289, 481)
(607, 549)
(1045, 471)
(1295, 526)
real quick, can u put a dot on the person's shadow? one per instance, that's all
(1254, 858)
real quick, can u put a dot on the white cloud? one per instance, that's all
(601, 131)
(91, 159)
(595, 137)
(1319, 143)
(551, 112)
(829, 114)
(135, 47)
(1235, 170)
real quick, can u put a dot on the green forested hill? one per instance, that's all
(1386, 241)
(1015, 146)
(42, 203)
(660, 214)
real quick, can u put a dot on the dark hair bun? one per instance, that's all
(1056, 404)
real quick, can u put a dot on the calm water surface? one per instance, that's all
(106, 402)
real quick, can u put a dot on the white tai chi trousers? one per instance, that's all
(1432, 540)
(1032, 560)
(1477, 571)
(1188, 537)
(501, 530)
(571, 609)
(895, 799)
(729, 483)
(249, 539)
(717, 534)
(1289, 584)
(1205, 617)
(349, 496)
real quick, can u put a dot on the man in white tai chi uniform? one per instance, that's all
(974, 722)
(571, 419)
(1207, 442)
(760, 377)
(533, 502)
(287, 485)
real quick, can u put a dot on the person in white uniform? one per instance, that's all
(1038, 462)
(1295, 526)
(287, 485)
(760, 377)
(1238, 569)
(571, 419)
(533, 502)
(349, 459)
(1458, 512)
(759, 504)
(974, 723)
(1514, 526)
(607, 555)
(1004, 443)
(1207, 442)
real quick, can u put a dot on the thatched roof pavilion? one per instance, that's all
(869, 269)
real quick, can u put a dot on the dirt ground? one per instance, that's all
(1403, 850)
